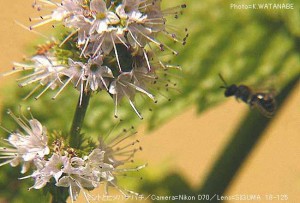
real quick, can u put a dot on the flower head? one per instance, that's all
(113, 47)
(82, 171)
(100, 26)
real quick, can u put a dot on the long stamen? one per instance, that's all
(62, 88)
(46, 88)
(134, 38)
(15, 70)
(147, 60)
(23, 125)
(41, 23)
(121, 140)
(116, 52)
(85, 46)
(100, 44)
(68, 37)
(116, 101)
(33, 31)
(141, 90)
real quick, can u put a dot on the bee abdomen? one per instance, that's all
(264, 102)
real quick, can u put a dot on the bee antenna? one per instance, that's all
(221, 77)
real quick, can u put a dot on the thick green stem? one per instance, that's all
(60, 194)
(239, 147)
(75, 136)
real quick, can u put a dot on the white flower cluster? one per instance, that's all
(61, 165)
(115, 47)
(132, 23)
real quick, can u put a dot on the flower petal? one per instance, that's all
(98, 5)
(36, 127)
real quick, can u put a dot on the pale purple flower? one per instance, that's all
(96, 169)
(25, 145)
(90, 76)
(66, 12)
(103, 17)
(127, 84)
(75, 183)
(45, 170)
(97, 75)
(119, 152)
(47, 72)
(66, 171)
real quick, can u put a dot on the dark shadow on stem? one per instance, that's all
(75, 136)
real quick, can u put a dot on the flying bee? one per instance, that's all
(264, 102)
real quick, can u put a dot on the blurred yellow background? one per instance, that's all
(189, 143)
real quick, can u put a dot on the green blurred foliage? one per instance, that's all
(260, 48)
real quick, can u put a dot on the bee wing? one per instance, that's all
(265, 103)
(263, 111)
(266, 84)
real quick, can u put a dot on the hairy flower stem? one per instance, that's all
(75, 136)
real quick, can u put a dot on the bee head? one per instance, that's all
(230, 90)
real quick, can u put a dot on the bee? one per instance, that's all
(264, 102)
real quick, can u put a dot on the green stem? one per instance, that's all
(239, 147)
(108, 3)
(75, 136)
(59, 194)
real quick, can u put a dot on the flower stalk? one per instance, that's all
(108, 3)
(59, 194)
(82, 105)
